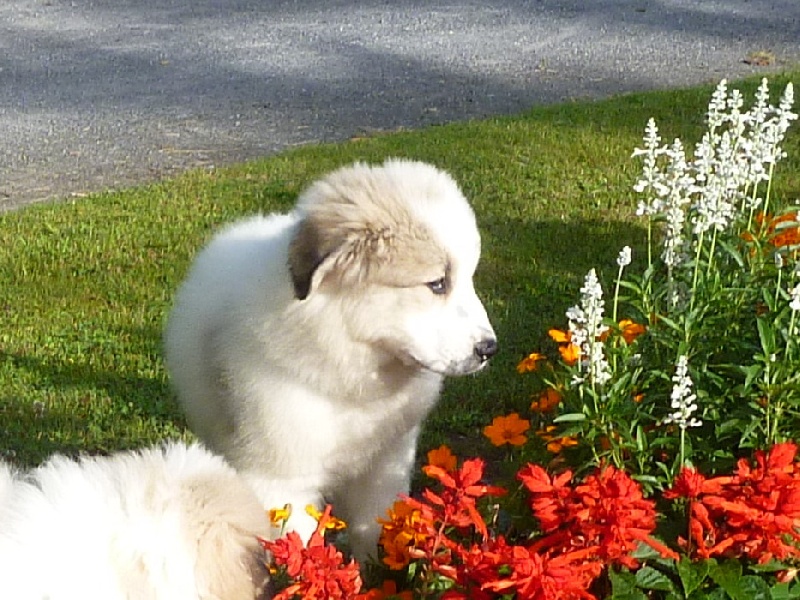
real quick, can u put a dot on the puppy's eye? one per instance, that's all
(439, 286)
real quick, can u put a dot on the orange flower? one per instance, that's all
(781, 232)
(442, 457)
(785, 230)
(556, 444)
(528, 363)
(630, 330)
(405, 529)
(570, 353)
(560, 337)
(547, 401)
(507, 430)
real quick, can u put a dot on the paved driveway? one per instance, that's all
(96, 94)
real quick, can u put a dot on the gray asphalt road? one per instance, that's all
(98, 94)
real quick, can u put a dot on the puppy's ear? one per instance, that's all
(341, 240)
(327, 245)
(311, 254)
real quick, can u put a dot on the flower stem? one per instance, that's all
(695, 277)
(711, 250)
(768, 193)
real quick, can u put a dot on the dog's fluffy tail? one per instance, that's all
(7, 477)
(160, 523)
(230, 562)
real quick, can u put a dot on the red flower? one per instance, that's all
(755, 513)
(318, 570)
(462, 488)
(495, 568)
(386, 591)
(616, 516)
(536, 576)
(690, 484)
(606, 514)
(550, 496)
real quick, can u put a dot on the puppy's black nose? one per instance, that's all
(486, 349)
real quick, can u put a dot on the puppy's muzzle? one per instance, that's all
(486, 349)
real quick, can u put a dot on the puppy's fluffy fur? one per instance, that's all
(172, 523)
(307, 348)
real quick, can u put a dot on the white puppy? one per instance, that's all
(162, 524)
(308, 348)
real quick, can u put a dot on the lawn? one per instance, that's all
(85, 285)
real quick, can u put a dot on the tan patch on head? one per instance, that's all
(358, 228)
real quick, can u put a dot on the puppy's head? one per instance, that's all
(395, 248)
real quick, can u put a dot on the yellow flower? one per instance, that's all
(547, 401)
(507, 430)
(442, 457)
(279, 516)
(528, 363)
(332, 524)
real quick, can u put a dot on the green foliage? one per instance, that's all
(718, 291)
(704, 580)
(85, 284)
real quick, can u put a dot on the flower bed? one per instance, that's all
(671, 419)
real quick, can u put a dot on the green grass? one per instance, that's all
(85, 285)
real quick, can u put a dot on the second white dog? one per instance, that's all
(308, 348)
(171, 523)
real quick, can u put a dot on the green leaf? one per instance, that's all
(693, 574)
(621, 581)
(651, 479)
(649, 578)
(783, 591)
(623, 586)
(570, 417)
(728, 576)
(772, 566)
(751, 372)
(767, 336)
(752, 587)
(670, 323)
(715, 594)
(732, 251)
(630, 285)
